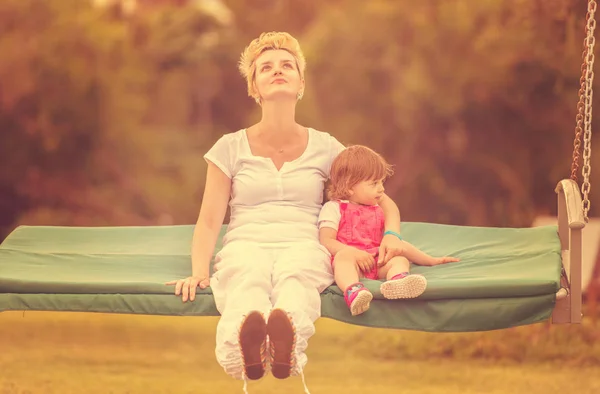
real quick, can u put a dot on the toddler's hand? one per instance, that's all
(444, 260)
(364, 260)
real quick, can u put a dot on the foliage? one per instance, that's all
(83, 142)
(105, 115)
(471, 101)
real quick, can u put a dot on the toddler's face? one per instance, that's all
(367, 192)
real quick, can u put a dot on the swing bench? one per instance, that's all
(507, 277)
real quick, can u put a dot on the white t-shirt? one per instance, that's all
(271, 206)
(330, 215)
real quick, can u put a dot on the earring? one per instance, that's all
(257, 99)
(299, 95)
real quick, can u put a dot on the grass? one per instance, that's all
(95, 353)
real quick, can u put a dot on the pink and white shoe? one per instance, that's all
(407, 286)
(358, 298)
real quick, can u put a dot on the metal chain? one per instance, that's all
(579, 120)
(583, 120)
(590, 41)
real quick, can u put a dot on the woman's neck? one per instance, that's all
(278, 120)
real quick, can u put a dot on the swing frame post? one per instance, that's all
(571, 222)
(573, 204)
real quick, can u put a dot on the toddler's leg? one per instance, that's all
(399, 282)
(300, 274)
(356, 295)
(419, 257)
(241, 286)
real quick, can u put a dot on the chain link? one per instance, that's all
(583, 120)
(578, 126)
(590, 41)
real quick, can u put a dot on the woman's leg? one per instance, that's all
(301, 272)
(241, 284)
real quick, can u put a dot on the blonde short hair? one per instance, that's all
(268, 41)
(353, 165)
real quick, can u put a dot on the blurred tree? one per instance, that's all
(253, 17)
(49, 108)
(76, 146)
(105, 112)
(474, 102)
(178, 48)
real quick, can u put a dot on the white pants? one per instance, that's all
(250, 276)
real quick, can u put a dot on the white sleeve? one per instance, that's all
(335, 147)
(330, 215)
(221, 155)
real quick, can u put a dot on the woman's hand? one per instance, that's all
(187, 287)
(391, 246)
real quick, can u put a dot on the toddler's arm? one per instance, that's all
(363, 259)
(327, 237)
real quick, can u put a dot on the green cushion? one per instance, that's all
(506, 277)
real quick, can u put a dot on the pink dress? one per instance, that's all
(362, 226)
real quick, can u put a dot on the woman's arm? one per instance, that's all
(391, 245)
(210, 219)
(391, 213)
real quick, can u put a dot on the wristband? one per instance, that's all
(393, 233)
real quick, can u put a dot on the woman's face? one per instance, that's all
(277, 76)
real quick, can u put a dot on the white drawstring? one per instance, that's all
(304, 382)
(299, 371)
(245, 382)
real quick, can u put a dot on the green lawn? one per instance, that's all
(95, 353)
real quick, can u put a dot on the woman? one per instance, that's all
(271, 270)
